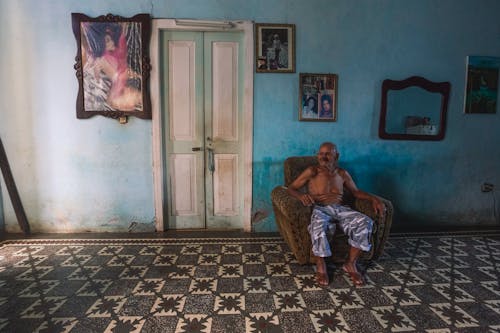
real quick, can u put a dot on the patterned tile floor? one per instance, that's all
(245, 284)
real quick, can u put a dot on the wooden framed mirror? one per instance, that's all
(413, 109)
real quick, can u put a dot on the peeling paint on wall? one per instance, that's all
(95, 174)
(258, 216)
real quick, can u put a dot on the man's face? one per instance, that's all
(327, 155)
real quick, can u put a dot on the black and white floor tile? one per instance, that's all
(424, 283)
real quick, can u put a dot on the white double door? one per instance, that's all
(202, 75)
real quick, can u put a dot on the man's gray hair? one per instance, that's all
(332, 145)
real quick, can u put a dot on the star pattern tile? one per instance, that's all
(419, 284)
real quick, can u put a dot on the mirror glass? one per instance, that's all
(413, 109)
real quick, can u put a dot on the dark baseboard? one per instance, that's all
(445, 229)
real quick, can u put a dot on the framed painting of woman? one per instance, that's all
(112, 65)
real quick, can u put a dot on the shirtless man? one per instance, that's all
(325, 184)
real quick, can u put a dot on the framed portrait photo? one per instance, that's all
(112, 65)
(275, 48)
(318, 97)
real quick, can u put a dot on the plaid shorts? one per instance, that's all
(355, 225)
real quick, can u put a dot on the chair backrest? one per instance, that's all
(294, 166)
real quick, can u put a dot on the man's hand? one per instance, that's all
(306, 200)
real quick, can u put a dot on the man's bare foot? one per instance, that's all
(352, 271)
(321, 272)
(322, 279)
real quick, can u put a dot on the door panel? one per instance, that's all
(181, 90)
(184, 144)
(223, 96)
(226, 198)
(184, 184)
(225, 90)
(203, 142)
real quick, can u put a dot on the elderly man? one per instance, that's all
(325, 188)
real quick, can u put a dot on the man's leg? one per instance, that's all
(354, 254)
(357, 227)
(318, 228)
(321, 272)
(350, 266)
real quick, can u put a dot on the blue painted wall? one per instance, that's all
(96, 175)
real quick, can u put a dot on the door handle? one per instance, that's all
(211, 163)
(196, 149)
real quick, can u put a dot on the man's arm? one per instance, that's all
(377, 204)
(302, 180)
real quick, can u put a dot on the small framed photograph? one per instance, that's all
(275, 48)
(112, 65)
(318, 97)
(481, 92)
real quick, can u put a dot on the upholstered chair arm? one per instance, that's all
(288, 203)
(292, 218)
(383, 223)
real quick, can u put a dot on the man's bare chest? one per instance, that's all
(325, 182)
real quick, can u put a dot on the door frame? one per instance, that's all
(159, 188)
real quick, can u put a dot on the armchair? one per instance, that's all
(293, 218)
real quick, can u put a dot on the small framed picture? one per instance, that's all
(481, 92)
(318, 97)
(275, 48)
(112, 65)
